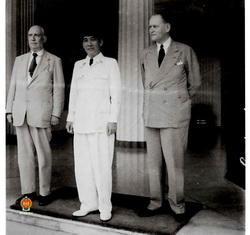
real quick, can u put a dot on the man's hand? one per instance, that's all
(54, 120)
(9, 118)
(69, 127)
(111, 128)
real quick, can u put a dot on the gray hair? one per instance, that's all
(40, 27)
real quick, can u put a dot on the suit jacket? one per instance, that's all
(42, 97)
(169, 88)
(94, 94)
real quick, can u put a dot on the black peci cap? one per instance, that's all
(95, 32)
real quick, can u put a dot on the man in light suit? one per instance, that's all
(34, 103)
(170, 73)
(93, 112)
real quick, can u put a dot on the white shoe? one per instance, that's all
(105, 217)
(81, 212)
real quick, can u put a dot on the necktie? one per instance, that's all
(33, 64)
(161, 55)
(91, 61)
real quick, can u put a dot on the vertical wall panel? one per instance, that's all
(210, 91)
(25, 18)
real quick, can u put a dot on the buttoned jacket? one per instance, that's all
(39, 98)
(168, 89)
(94, 94)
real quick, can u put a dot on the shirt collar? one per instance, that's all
(39, 53)
(97, 58)
(165, 44)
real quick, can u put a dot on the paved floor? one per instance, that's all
(14, 228)
(224, 202)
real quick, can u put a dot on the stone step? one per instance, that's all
(58, 225)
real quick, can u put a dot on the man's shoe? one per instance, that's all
(105, 217)
(31, 196)
(45, 200)
(180, 217)
(82, 212)
(147, 213)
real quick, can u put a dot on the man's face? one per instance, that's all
(36, 38)
(158, 29)
(92, 45)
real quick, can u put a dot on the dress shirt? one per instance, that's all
(165, 45)
(38, 60)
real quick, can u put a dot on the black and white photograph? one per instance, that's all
(124, 117)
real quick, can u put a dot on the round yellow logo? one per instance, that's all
(26, 204)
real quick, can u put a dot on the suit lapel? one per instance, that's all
(168, 62)
(154, 56)
(44, 63)
(170, 59)
(24, 65)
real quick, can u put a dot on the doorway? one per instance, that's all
(66, 21)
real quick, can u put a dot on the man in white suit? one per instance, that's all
(34, 103)
(93, 112)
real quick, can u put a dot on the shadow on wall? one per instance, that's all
(202, 132)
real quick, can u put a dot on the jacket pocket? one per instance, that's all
(183, 96)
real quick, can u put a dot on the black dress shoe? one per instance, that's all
(147, 213)
(31, 196)
(45, 200)
(180, 217)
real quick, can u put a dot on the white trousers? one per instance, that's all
(93, 155)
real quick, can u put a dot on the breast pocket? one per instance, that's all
(102, 75)
(99, 82)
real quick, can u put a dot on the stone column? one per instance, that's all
(10, 38)
(133, 38)
(19, 17)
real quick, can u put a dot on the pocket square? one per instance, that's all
(179, 62)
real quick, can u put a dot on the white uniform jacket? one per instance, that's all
(94, 94)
